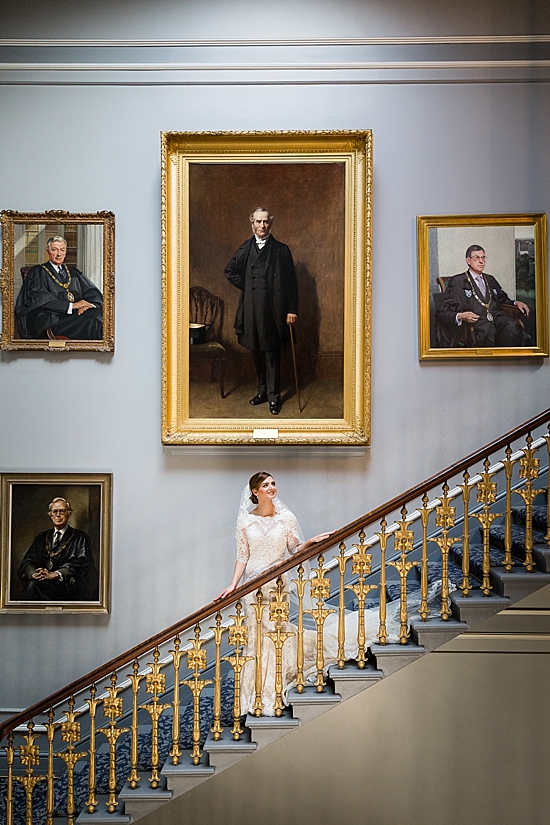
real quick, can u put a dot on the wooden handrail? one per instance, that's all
(339, 535)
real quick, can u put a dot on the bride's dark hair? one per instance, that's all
(254, 482)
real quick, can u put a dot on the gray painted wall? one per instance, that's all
(438, 148)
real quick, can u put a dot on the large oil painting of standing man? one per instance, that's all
(58, 281)
(483, 286)
(266, 278)
(56, 533)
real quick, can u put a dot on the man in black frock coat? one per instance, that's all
(59, 297)
(58, 565)
(477, 299)
(263, 269)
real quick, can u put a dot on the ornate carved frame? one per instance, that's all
(180, 150)
(9, 219)
(17, 521)
(471, 229)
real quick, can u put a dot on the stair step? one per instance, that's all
(101, 815)
(539, 516)
(351, 679)
(435, 570)
(476, 608)
(497, 535)
(143, 800)
(309, 704)
(391, 658)
(518, 583)
(267, 729)
(436, 632)
(181, 778)
(226, 751)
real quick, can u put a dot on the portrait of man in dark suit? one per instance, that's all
(262, 268)
(475, 299)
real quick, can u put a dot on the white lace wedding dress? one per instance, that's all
(262, 543)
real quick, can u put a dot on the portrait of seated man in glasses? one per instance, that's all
(58, 566)
(58, 297)
(476, 300)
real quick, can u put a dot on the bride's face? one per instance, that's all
(267, 491)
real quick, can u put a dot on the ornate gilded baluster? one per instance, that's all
(487, 495)
(29, 755)
(320, 590)
(238, 637)
(92, 702)
(279, 609)
(529, 470)
(403, 543)
(10, 752)
(465, 585)
(445, 518)
(155, 684)
(70, 733)
(383, 537)
(216, 728)
(342, 561)
(135, 679)
(259, 608)
(361, 566)
(175, 750)
(424, 519)
(112, 710)
(508, 470)
(50, 733)
(300, 583)
(196, 661)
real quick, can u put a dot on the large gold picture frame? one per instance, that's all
(514, 251)
(90, 239)
(26, 539)
(317, 186)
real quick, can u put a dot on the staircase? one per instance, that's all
(126, 740)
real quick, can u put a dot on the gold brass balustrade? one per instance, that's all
(196, 661)
(70, 733)
(135, 680)
(155, 684)
(320, 591)
(25, 765)
(238, 638)
(403, 544)
(175, 750)
(92, 702)
(529, 470)
(112, 710)
(279, 614)
(361, 567)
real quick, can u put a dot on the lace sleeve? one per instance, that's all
(243, 550)
(293, 538)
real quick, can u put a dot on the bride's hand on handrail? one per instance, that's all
(225, 592)
(314, 540)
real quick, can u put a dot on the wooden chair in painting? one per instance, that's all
(206, 316)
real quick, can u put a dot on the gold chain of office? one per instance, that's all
(478, 299)
(70, 296)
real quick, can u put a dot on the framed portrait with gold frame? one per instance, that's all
(56, 542)
(310, 311)
(58, 281)
(482, 286)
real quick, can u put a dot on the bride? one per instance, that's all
(265, 534)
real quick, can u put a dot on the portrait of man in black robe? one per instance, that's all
(58, 300)
(58, 566)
